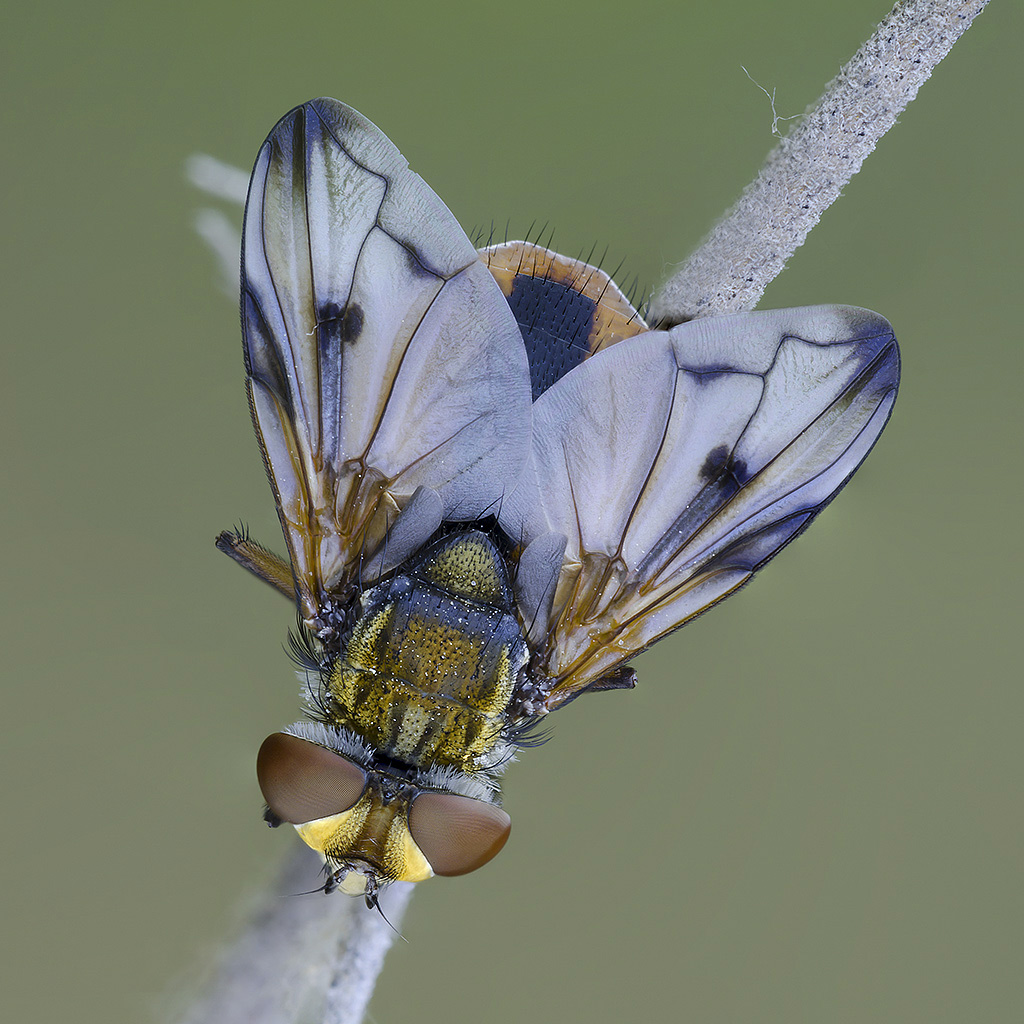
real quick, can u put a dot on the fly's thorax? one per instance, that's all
(370, 825)
(428, 674)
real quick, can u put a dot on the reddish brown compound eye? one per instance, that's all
(302, 781)
(456, 833)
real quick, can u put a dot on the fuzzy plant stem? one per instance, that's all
(301, 959)
(808, 169)
(316, 960)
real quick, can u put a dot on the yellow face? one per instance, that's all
(371, 833)
(372, 828)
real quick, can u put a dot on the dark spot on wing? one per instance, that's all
(338, 325)
(418, 263)
(715, 462)
(262, 354)
(335, 117)
(288, 147)
(752, 550)
(706, 375)
(721, 463)
(724, 475)
(556, 322)
(330, 310)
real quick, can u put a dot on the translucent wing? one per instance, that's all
(381, 355)
(678, 462)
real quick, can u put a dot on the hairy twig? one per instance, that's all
(317, 960)
(302, 959)
(808, 169)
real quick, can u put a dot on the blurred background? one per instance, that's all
(808, 810)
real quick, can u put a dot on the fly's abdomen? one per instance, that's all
(430, 669)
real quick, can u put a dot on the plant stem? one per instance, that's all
(301, 959)
(807, 170)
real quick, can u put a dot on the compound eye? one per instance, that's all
(302, 781)
(456, 833)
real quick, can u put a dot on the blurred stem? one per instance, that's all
(312, 960)
(301, 959)
(808, 169)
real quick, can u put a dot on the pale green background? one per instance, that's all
(810, 808)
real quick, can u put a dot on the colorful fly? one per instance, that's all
(496, 485)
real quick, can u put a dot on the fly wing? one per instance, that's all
(677, 463)
(381, 355)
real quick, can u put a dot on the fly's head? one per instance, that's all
(371, 826)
